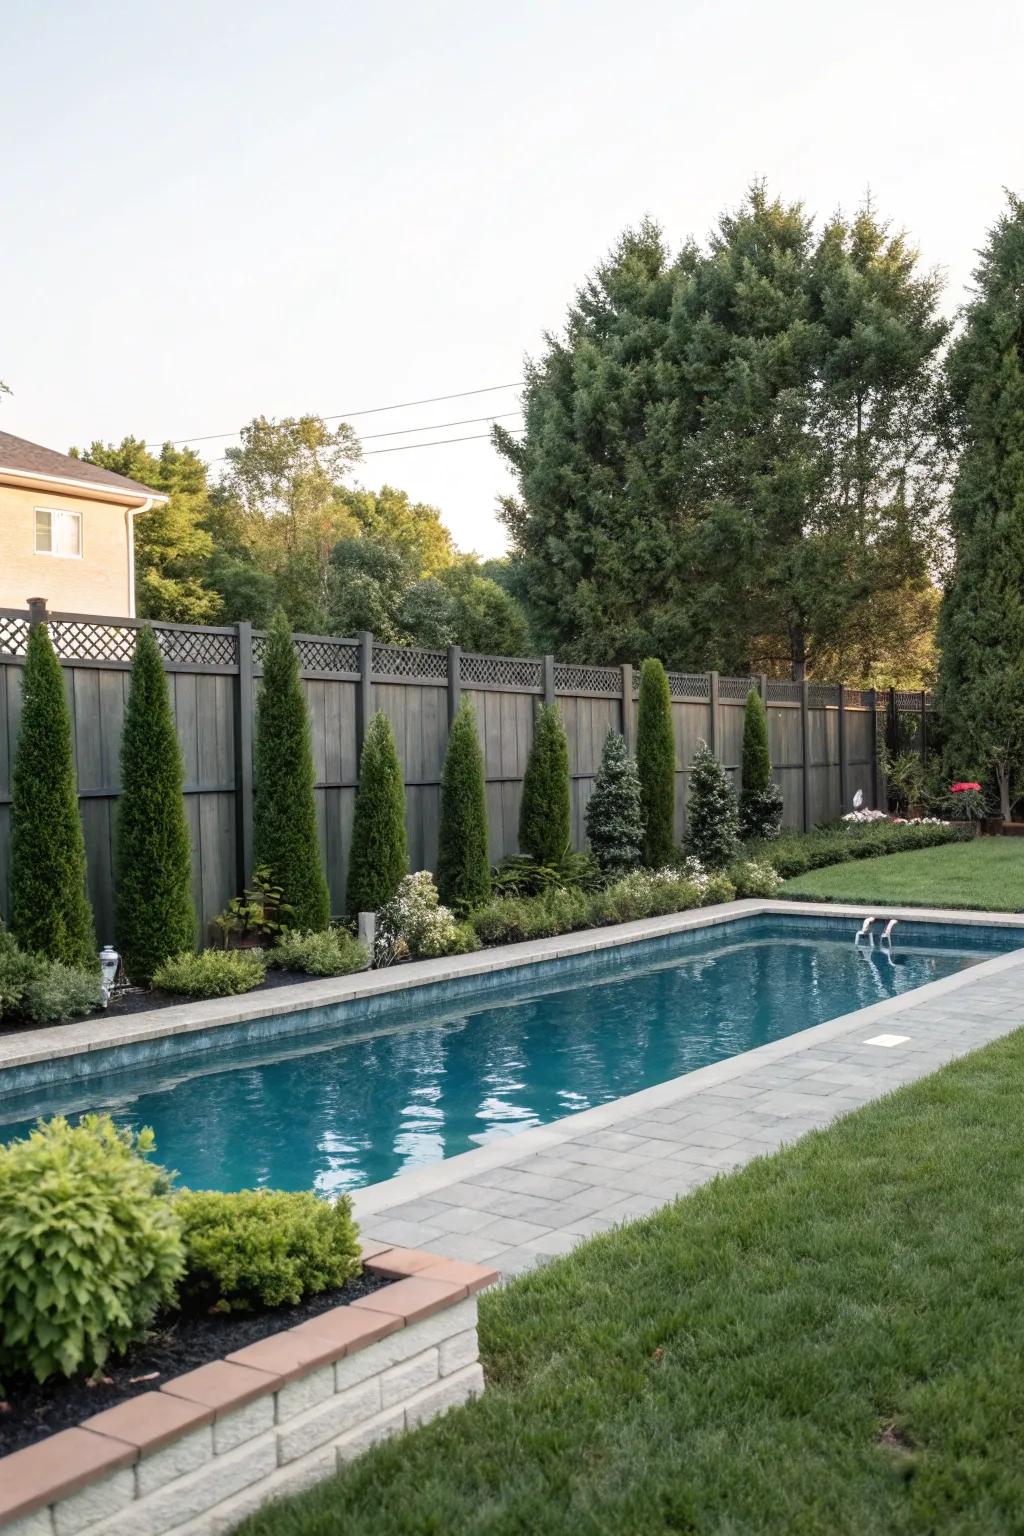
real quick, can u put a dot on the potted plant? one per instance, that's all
(967, 800)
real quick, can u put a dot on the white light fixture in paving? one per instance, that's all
(887, 1040)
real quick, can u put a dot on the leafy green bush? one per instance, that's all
(284, 803)
(260, 913)
(90, 1245)
(513, 919)
(212, 973)
(50, 911)
(614, 824)
(463, 867)
(797, 852)
(712, 817)
(334, 952)
(544, 810)
(263, 1247)
(34, 990)
(754, 877)
(641, 893)
(656, 763)
(522, 876)
(648, 893)
(414, 926)
(155, 917)
(379, 858)
(760, 797)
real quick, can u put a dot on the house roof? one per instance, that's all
(27, 461)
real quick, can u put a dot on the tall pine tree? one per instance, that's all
(155, 915)
(50, 911)
(463, 868)
(284, 779)
(981, 626)
(760, 796)
(656, 764)
(379, 857)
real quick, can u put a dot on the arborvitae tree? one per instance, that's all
(656, 764)
(712, 816)
(463, 868)
(284, 805)
(379, 858)
(614, 824)
(760, 796)
(155, 916)
(50, 911)
(981, 626)
(544, 811)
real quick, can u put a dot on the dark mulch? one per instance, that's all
(178, 1343)
(139, 1000)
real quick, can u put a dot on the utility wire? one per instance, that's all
(474, 437)
(467, 421)
(374, 410)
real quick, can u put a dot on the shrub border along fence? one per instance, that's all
(824, 737)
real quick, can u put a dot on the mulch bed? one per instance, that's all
(176, 1344)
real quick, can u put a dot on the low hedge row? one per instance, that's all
(645, 893)
(794, 853)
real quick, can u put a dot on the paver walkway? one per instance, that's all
(518, 1201)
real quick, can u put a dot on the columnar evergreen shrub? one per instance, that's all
(614, 823)
(50, 911)
(760, 796)
(712, 815)
(284, 805)
(154, 912)
(379, 856)
(656, 764)
(463, 867)
(90, 1246)
(544, 811)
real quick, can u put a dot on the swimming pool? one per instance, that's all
(354, 1093)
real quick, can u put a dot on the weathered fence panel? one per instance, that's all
(822, 737)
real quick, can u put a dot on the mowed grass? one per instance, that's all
(987, 873)
(828, 1341)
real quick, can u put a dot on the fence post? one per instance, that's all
(924, 727)
(844, 754)
(549, 679)
(364, 705)
(628, 731)
(36, 611)
(762, 687)
(875, 775)
(454, 682)
(713, 718)
(805, 738)
(244, 709)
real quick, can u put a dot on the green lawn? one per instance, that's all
(986, 873)
(825, 1343)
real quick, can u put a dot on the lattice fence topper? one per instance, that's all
(524, 672)
(573, 679)
(910, 701)
(317, 653)
(13, 636)
(84, 640)
(823, 695)
(856, 698)
(733, 688)
(781, 692)
(689, 685)
(401, 661)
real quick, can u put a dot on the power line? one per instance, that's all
(474, 437)
(374, 410)
(467, 421)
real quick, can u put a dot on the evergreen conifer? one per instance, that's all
(379, 857)
(544, 811)
(760, 796)
(712, 816)
(656, 764)
(614, 824)
(463, 868)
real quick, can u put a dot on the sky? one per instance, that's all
(213, 211)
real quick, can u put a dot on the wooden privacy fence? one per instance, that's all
(823, 737)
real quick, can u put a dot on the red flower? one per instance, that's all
(956, 789)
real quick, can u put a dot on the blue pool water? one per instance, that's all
(364, 1093)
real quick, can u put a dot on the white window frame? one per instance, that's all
(57, 554)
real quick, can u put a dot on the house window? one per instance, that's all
(59, 533)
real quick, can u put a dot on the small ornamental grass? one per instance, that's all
(414, 926)
(263, 1248)
(334, 952)
(90, 1245)
(212, 973)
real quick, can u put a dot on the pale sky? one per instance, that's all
(221, 209)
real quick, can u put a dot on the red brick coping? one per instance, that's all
(424, 1283)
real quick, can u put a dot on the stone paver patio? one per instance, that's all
(523, 1199)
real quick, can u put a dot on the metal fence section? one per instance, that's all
(823, 737)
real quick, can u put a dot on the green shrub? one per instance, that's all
(614, 824)
(155, 917)
(760, 797)
(753, 877)
(718, 888)
(795, 853)
(50, 911)
(649, 893)
(521, 875)
(414, 926)
(712, 818)
(656, 764)
(263, 1247)
(34, 990)
(212, 973)
(379, 857)
(463, 867)
(544, 811)
(334, 952)
(90, 1245)
(260, 913)
(284, 802)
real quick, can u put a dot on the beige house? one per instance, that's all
(66, 531)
